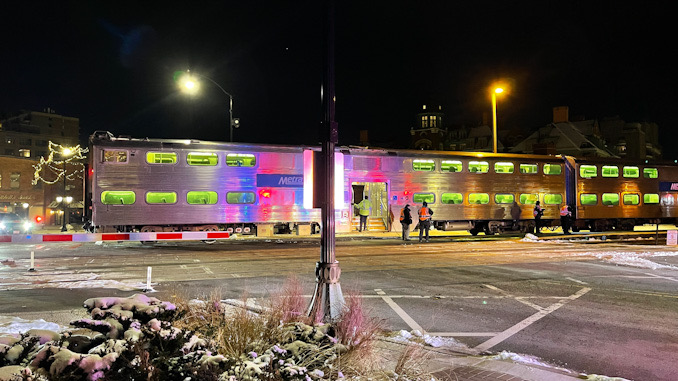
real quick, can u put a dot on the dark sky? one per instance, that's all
(111, 64)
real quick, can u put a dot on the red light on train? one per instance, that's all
(265, 193)
(91, 172)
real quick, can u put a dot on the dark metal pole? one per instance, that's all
(230, 115)
(328, 301)
(63, 201)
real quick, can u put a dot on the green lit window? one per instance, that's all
(552, 169)
(588, 171)
(118, 197)
(610, 171)
(423, 165)
(553, 199)
(202, 158)
(478, 167)
(241, 160)
(631, 199)
(161, 197)
(529, 168)
(418, 198)
(528, 198)
(201, 198)
(632, 172)
(478, 198)
(610, 199)
(501, 167)
(240, 197)
(451, 166)
(161, 157)
(504, 198)
(452, 198)
(588, 199)
(650, 198)
(650, 173)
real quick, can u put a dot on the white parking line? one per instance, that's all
(403, 315)
(575, 280)
(662, 277)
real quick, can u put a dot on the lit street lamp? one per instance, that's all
(189, 84)
(496, 91)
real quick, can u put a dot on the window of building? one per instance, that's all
(25, 152)
(504, 198)
(528, 198)
(529, 168)
(588, 171)
(632, 172)
(201, 198)
(202, 158)
(451, 166)
(434, 120)
(161, 197)
(240, 197)
(650, 173)
(161, 157)
(610, 199)
(424, 121)
(118, 197)
(14, 180)
(478, 198)
(478, 166)
(553, 169)
(25, 142)
(553, 199)
(610, 171)
(503, 167)
(418, 198)
(423, 165)
(588, 199)
(631, 199)
(241, 160)
(452, 198)
(650, 198)
(114, 156)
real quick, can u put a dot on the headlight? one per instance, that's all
(27, 226)
(2, 226)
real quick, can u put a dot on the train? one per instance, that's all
(154, 185)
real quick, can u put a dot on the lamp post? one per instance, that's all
(190, 85)
(496, 91)
(64, 154)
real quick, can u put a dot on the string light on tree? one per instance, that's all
(51, 171)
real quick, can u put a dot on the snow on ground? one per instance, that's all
(433, 341)
(524, 359)
(66, 279)
(15, 325)
(633, 258)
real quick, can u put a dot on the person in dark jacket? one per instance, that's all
(406, 221)
(537, 213)
(425, 214)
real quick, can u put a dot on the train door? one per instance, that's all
(377, 193)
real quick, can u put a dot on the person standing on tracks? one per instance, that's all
(537, 213)
(565, 216)
(406, 221)
(425, 214)
(364, 208)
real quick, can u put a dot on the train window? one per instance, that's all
(161, 197)
(478, 198)
(418, 198)
(650, 198)
(478, 167)
(528, 198)
(529, 168)
(632, 172)
(115, 156)
(552, 169)
(502, 167)
(450, 166)
(201, 198)
(452, 198)
(631, 199)
(240, 197)
(118, 197)
(202, 158)
(241, 160)
(553, 199)
(610, 171)
(650, 173)
(610, 199)
(588, 199)
(504, 198)
(161, 157)
(423, 165)
(588, 171)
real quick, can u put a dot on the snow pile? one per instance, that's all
(596, 377)
(15, 325)
(416, 336)
(524, 359)
(529, 237)
(633, 258)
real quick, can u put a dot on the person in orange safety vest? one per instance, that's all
(425, 214)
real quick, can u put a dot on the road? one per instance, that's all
(591, 306)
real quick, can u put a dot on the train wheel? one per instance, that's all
(473, 232)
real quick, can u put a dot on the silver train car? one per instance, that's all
(186, 185)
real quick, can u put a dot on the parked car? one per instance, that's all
(12, 223)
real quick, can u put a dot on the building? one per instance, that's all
(634, 141)
(27, 133)
(17, 193)
(429, 133)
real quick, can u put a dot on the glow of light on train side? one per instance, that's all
(339, 202)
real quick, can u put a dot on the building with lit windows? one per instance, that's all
(27, 133)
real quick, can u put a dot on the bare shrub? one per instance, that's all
(289, 304)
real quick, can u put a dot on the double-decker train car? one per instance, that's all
(182, 185)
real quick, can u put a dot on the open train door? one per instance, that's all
(377, 193)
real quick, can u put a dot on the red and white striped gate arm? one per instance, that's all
(94, 237)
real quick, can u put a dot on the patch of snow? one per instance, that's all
(524, 359)
(432, 341)
(597, 377)
(632, 258)
(15, 325)
(529, 237)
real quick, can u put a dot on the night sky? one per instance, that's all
(111, 64)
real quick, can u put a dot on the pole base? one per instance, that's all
(328, 302)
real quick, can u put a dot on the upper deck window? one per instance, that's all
(423, 165)
(500, 167)
(632, 172)
(553, 169)
(650, 173)
(529, 168)
(161, 157)
(115, 156)
(202, 158)
(610, 171)
(241, 160)
(118, 197)
(478, 167)
(588, 171)
(451, 166)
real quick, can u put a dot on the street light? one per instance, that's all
(189, 83)
(497, 90)
(65, 153)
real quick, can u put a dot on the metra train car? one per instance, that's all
(171, 185)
